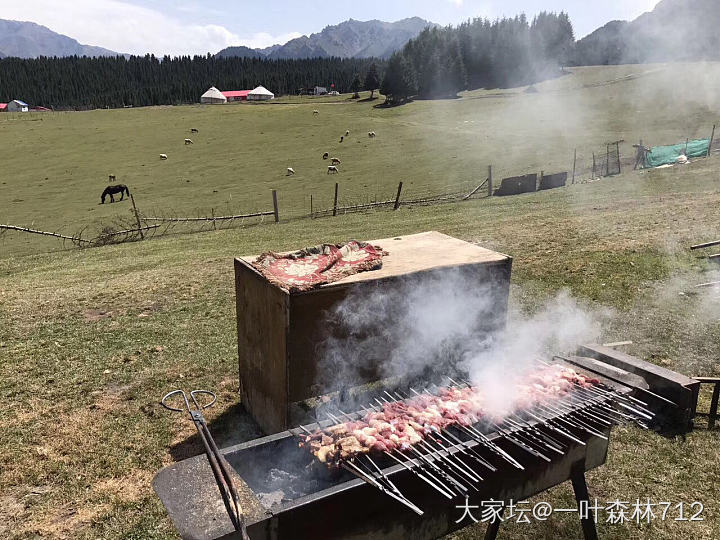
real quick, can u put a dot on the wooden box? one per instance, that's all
(279, 331)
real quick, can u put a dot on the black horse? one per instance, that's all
(122, 189)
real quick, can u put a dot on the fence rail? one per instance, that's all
(605, 162)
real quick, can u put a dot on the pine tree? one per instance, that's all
(372, 80)
(356, 85)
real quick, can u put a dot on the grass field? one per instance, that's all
(91, 339)
(242, 151)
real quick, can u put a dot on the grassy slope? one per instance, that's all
(91, 339)
(242, 151)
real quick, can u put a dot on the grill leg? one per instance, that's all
(577, 476)
(492, 530)
(714, 406)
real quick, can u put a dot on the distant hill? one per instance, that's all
(675, 30)
(30, 40)
(349, 39)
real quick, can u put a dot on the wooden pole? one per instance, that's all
(489, 181)
(275, 206)
(607, 160)
(617, 147)
(712, 137)
(706, 245)
(574, 165)
(311, 205)
(212, 211)
(593, 175)
(336, 199)
(397, 197)
(137, 217)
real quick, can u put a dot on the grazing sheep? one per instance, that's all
(193, 130)
(335, 161)
(347, 132)
(111, 178)
(290, 171)
(163, 156)
(371, 134)
(341, 139)
(332, 169)
(326, 155)
(188, 141)
(316, 111)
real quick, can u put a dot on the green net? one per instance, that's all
(665, 155)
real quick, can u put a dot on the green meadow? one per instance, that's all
(91, 339)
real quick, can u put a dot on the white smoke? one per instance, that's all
(445, 324)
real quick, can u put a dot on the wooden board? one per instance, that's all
(262, 321)
(279, 332)
(414, 253)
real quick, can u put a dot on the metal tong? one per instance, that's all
(219, 465)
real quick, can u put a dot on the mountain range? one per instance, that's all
(349, 39)
(675, 30)
(30, 40)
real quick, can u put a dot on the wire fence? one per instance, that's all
(604, 161)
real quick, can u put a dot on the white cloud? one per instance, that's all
(263, 39)
(128, 28)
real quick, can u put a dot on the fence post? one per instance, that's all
(574, 164)
(593, 175)
(212, 211)
(397, 197)
(490, 186)
(607, 160)
(311, 206)
(137, 217)
(711, 141)
(335, 202)
(275, 206)
(617, 147)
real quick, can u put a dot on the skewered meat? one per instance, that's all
(402, 424)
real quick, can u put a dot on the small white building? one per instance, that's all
(213, 96)
(17, 106)
(260, 94)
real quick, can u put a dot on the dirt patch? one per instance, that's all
(131, 487)
(94, 315)
(111, 398)
(64, 522)
(10, 509)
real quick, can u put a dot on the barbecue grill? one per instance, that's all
(287, 493)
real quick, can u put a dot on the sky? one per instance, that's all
(197, 27)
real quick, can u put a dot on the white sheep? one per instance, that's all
(316, 111)
(347, 132)
(332, 169)
(335, 161)
(371, 134)
(163, 156)
(290, 171)
(326, 155)
(188, 141)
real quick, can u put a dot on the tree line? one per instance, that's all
(85, 83)
(480, 54)
(439, 62)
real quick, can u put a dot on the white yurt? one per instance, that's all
(260, 94)
(213, 95)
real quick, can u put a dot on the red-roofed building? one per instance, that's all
(3, 107)
(236, 95)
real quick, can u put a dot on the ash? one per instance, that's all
(283, 486)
